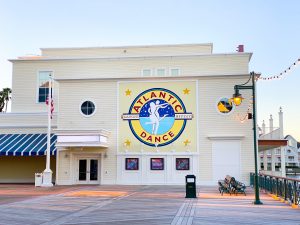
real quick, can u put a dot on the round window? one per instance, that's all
(87, 108)
(224, 106)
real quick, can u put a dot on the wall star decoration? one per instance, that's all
(186, 142)
(128, 92)
(186, 91)
(127, 143)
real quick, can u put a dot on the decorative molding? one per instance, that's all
(141, 57)
(25, 126)
(158, 154)
(81, 132)
(82, 138)
(227, 137)
(26, 114)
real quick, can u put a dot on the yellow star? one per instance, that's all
(127, 143)
(186, 91)
(186, 142)
(128, 92)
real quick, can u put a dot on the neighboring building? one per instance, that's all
(298, 146)
(291, 151)
(128, 115)
(271, 160)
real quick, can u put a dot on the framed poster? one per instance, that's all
(131, 164)
(157, 163)
(182, 164)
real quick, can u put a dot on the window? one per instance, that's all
(131, 164)
(291, 158)
(174, 72)
(278, 159)
(146, 73)
(224, 106)
(87, 108)
(182, 164)
(157, 163)
(161, 72)
(43, 85)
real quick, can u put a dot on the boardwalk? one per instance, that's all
(136, 205)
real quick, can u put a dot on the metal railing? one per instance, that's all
(286, 188)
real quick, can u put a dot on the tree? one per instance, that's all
(5, 96)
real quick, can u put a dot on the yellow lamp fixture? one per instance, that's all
(237, 98)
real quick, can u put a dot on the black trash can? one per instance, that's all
(190, 186)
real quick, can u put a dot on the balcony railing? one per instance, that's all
(286, 188)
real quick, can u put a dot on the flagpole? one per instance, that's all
(47, 174)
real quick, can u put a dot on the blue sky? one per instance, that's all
(269, 29)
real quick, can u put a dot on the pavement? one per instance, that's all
(120, 204)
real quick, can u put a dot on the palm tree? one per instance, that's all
(2, 102)
(5, 96)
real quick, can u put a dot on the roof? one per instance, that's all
(266, 144)
(131, 46)
(127, 52)
(26, 144)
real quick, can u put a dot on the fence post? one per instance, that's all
(285, 189)
(295, 193)
(277, 186)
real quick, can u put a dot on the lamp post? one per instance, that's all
(237, 100)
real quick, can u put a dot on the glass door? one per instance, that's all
(82, 169)
(93, 169)
(88, 171)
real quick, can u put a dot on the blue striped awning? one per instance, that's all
(26, 144)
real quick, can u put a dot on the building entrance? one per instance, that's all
(88, 171)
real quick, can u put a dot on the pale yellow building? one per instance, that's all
(129, 115)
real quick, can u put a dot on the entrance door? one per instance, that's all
(88, 171)
(226, 159)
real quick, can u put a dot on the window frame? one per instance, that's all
(87, 100)
(165, 72)
(38, 85)
(151, 72)
(174, 68)
(217, 109)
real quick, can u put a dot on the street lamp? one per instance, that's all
(237, 100)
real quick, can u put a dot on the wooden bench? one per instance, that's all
(231, 185)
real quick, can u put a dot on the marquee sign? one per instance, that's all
(157, 117)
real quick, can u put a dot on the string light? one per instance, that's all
(243, 117)
(280, 75)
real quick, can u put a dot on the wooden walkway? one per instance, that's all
(139, 205)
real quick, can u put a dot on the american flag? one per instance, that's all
(52, 105)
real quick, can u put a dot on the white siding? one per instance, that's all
(95, 78)
(24, 85)
(25, 123)
(127, 51)
(211, 123)
(104, 95)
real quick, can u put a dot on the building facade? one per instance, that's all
(129, 115)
